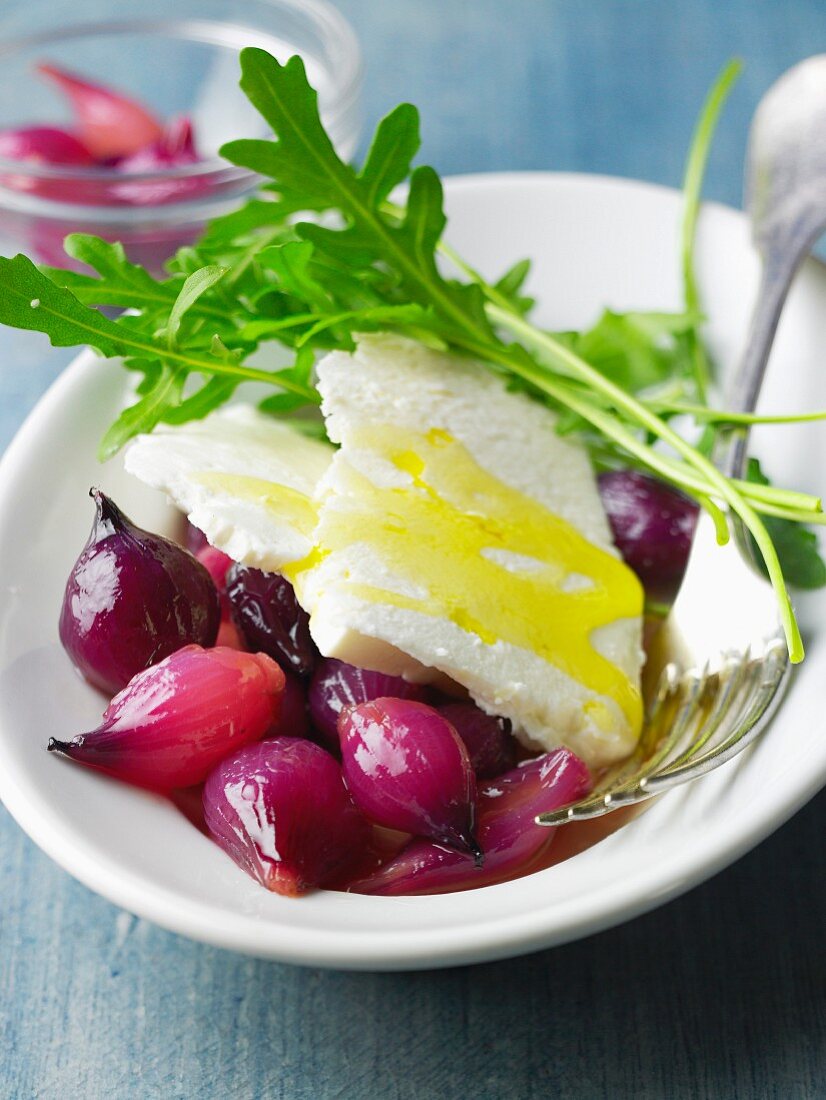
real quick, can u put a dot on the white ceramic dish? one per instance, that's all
(596, 241)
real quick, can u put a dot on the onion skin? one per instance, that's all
(281, 811)
(109, 124)
(336, 685)
(176, 720)
(131, 600)
(653, 526)
(409, 770)
(512, 841)
(488, 739)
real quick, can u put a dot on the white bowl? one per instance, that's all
(596, 242)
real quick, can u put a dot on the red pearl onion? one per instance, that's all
(336, 685)
(488, 739)
(408, 769)
(131, 599)
(176, 720)
(510, 838)
(281, 811)
(293, 720)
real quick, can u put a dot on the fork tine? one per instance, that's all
(761, 706)
(684, 695)
(732, 675)
(726, 729)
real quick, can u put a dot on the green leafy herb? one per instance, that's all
(796, 544)
(268, 273)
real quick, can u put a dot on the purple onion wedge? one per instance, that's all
(133, 598)
(488, 739)
(336, 685)
(176, 720)
(281, 811)
(512, 841)
(409, 770)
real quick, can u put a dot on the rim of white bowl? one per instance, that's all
(348, 948)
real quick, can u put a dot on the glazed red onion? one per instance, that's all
(194, 538)
(176, 720)
(230, 636)
(109, 124)
(216, 563)
(336, 685)
(44, 145)
(270, 618)
(408, 769)
(488, 739)
(133, 598)
(653, 526)
(293, 720)
(281, 811)
(510, 838)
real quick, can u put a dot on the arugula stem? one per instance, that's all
(721, 486)
(692, 191)
(721, 416)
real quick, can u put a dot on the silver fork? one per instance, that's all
(716, 670)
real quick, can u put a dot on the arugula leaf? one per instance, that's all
(796, 544)
(637, 350)
(161, 388)
(30, 300)
(394, 146)
(304, 162)
(247, 221)
(119, 282)
(194, 286)
(511, 283)
(301, 371)
(260, 274)
(291, 264)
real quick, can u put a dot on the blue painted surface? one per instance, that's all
(720, 994)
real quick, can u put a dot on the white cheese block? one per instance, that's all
(246, 480)
(415, 547)
(421, 432)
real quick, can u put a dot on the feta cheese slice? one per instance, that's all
(246, 480)
(459, 533)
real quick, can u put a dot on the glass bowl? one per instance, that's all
(179, 59)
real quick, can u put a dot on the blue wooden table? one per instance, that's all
(720, 994)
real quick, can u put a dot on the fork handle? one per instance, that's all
(779, 269)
